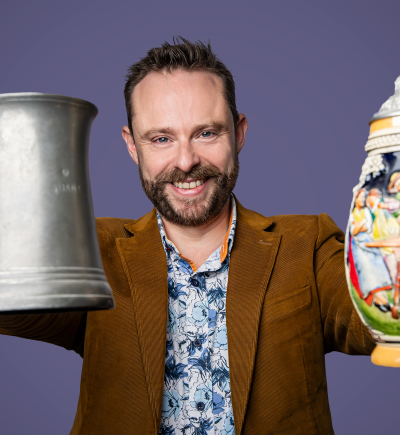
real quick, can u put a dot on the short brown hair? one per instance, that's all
(185, 55)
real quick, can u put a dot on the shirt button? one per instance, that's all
(197, 342)
(195, 283)
(200, 406)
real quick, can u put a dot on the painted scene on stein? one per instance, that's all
(373, 248)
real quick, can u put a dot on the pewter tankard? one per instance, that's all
(49, 254)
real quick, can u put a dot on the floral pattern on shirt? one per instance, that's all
(197, 392)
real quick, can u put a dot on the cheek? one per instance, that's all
(153, 164)
(222, 158)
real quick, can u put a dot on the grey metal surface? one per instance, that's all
(391, 107)
(49, 253)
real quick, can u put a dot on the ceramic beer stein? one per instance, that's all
(372, 254)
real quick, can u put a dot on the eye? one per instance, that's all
(162, 140)
(206, 134)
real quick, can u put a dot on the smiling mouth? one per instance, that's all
(189, 185)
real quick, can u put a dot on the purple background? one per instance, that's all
(309, 76)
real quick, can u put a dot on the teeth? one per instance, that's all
(190, 185)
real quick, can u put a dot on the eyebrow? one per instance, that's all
(219, 127)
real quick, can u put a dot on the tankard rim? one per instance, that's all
(38, 96)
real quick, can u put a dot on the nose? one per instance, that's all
(186, 156)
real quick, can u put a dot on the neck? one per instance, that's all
(203, 239)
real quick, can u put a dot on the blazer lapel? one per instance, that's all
(251, 263)
(145, 265)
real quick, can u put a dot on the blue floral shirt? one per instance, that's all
(197, 391)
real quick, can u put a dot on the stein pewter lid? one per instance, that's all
(391, 107)
(384, 131)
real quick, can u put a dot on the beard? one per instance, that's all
(193, 211)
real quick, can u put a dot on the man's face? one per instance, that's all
(186, 145)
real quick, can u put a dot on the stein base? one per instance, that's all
(387, 355)
(55, 296)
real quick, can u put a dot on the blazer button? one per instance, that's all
(197, 342)
(200, 406)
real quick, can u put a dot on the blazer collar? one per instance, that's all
(247, 217)
(251, 263)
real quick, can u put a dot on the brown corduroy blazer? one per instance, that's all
(287, 306)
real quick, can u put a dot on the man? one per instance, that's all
(187, 350)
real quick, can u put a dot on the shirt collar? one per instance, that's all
(226, 246)
(230, 234)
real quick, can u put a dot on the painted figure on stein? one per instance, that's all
(373, 235)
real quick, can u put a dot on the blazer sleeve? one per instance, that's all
(62, 329)
(343, 329)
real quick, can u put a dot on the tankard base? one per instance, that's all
(58, 291)
(387, 355)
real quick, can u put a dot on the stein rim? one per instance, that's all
(38, 96)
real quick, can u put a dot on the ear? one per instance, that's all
(128, 138)
(240, 132)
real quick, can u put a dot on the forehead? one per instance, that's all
(179, 96)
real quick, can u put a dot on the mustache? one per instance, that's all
(197, 172)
